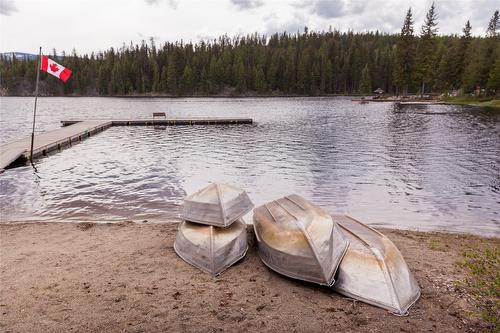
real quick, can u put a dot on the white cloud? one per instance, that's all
(277, 23)
(192, 20)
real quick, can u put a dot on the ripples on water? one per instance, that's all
(422, 167)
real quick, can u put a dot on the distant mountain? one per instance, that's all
(18, 55)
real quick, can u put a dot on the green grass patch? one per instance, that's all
(483, 283)
(437, 245)
(475, 101)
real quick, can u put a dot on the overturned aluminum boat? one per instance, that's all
(299, 240)
(217, 204)
(210, 248)
(373, 270)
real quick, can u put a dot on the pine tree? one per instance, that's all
(102, 81)
(466, 31)
(459, 59)
(447, 76)
(472, 69)
(493, 83)
(172, 84)
(494, 25)
(329, 77)
(427, 49)
(155, 87)
(490, 50)
(260, 80)
(187, 79)
(272, 71)
(204, 81)
(323, 61)
(404, 63)
(164, 80)
(215, 75)
(365, 86)
(241, 81)
(303, 75)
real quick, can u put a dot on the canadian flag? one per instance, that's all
(52, 67)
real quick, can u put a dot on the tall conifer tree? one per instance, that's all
(427, 49)
(365, 86)
(461, 53)
(404, 63)
(494, 25)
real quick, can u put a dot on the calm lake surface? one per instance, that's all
(418, 167)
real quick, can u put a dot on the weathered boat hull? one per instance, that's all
(209, 248)
(217, 204)
(373, 270)
(299, 240)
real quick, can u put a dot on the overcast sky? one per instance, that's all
(93, 25)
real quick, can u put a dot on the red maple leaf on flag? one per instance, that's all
(54, 68)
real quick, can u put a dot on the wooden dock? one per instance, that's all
(400, 101)
(171, 121)
(50, 141)
(74, 131)
(422, 103)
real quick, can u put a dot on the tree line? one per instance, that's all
(304, 63)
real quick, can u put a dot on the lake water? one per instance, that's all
(418, 167)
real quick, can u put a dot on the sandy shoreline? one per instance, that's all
(126, 277)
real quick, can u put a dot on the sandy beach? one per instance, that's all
(126, 277)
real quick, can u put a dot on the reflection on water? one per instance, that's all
(431, 167)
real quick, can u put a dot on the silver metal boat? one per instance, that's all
(217, 204)
(299, 240)
(373, 270)
(210, 248)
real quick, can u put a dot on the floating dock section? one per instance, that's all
(171, 121)
(74, 131)
(422, 103)
(400, 101)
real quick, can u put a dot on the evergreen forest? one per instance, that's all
(415, 61)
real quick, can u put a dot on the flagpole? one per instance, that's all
(36, 98)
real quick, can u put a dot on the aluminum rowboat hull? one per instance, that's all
(217, 204)
(373, 270)
(299, 240)
(209, 248)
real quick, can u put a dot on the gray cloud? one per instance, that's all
(172, 3)
(247, 4)
(329, 8)
(355, 6)
(302, 3)
(381, 15)
(7, 7)
(334, 8)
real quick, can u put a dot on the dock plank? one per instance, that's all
(170, 121)
(50, 140)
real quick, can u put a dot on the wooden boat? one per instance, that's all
(210, 248)
(217, 204)
(299, 240)
(373, 270)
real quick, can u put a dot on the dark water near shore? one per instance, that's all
(420, 167)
